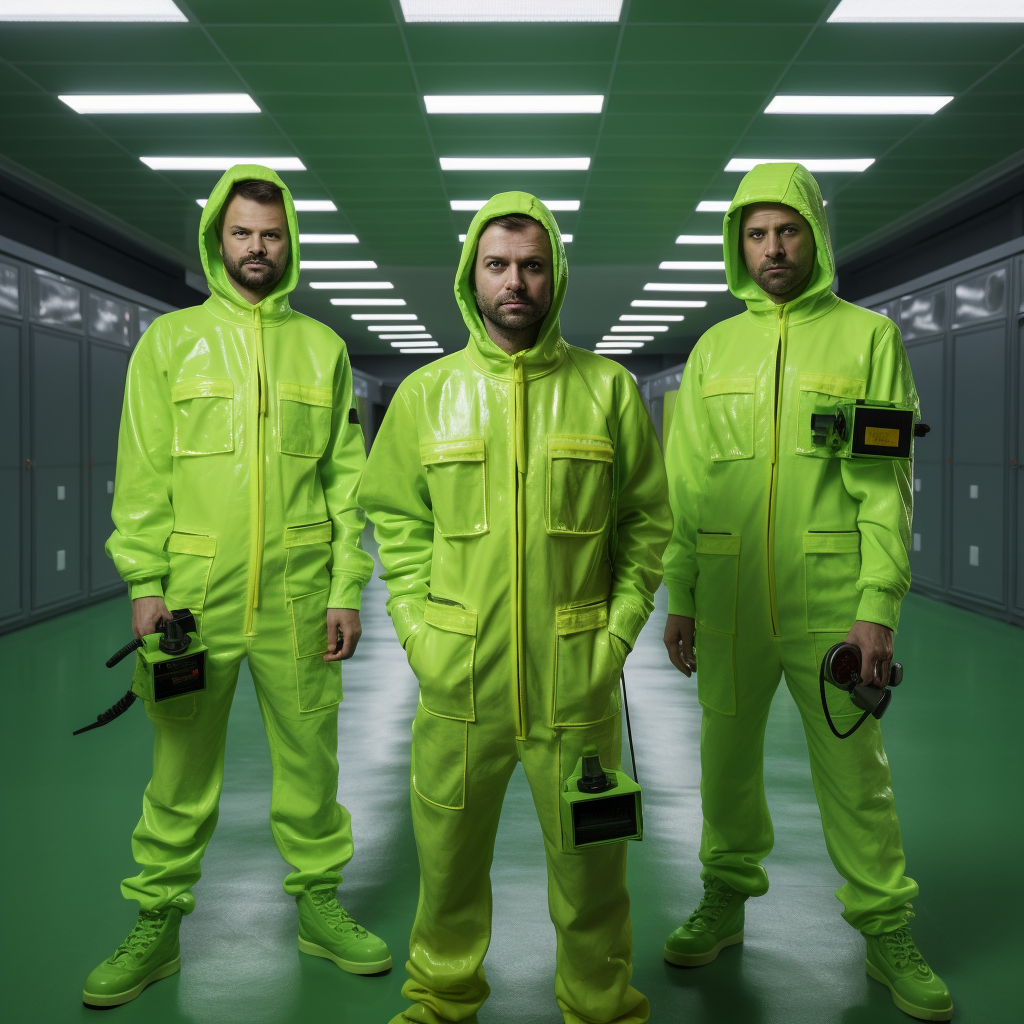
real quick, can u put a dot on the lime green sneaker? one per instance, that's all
(895, 961)
(328, 930)
(149, 953)
(715, 924)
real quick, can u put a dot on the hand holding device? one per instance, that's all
(841, 667)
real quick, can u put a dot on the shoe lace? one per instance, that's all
(326, 903)
(717, 896)
(144, 933)
(902, 949)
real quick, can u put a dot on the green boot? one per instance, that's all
(715, 924)
(895, 961)
(149, 953)
(328, 930)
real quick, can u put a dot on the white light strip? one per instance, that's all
(714, 205)
(411, 328)
(301, 206)
(638, 327)
(699, 240)
(338, 265)
(409, 343)
(406, 340)
(186, 103)
(604, 345)
(383, 316)
(497, 104)
(928, 11)
(644, 318)
(566, 239)
(814, 165)
(614, 351)
(511, 10)
(90, 10)
(668, 303)
(627, 337)
(554, 205)
(856, 104)
(367, 302)
(515, 163)
(675, 286)
(349, 285)
(417, 351)
(692, 265)
(220, 163)
(327, 239)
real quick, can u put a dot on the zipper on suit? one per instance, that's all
(780, 369)
(258, 402)
(517, 404)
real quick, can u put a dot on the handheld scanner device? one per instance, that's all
(599, 805)
(862, 429)
(171, 662)
(841, 667)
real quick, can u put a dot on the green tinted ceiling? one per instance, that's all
(340, 85)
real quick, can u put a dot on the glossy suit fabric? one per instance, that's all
(235, 497)
(521, 509)
(777, 549)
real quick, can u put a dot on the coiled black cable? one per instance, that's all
(114, 711)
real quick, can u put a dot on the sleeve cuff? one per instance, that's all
(153, 587)
(346, 592)
(625, 621)
(680, 599)
(407, 617)
(879, 606)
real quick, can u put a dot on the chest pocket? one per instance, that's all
(821, 393)
(203, 416)
(457, 479)
(303, 419)
(729, 406)
(579, 493)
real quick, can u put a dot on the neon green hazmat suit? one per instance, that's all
(237, 470)
(777, 549)
(521, 510)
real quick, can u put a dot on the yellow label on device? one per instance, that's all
(882, 437)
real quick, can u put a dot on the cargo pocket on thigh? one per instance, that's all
(439, 759)
(191, 559)
(831, 570)
(587, 667)
(318, 683)
(718, 562)
(716, 670)
(443, 658)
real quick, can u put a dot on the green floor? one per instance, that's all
(69, 806)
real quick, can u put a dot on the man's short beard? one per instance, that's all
(780, 286)
(511, 320)
(260, 281)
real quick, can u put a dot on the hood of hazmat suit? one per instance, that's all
(521, 510)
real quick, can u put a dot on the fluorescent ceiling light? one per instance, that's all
(618, 341)
(383, 316)
(497, 104)
(668, 303)
(639, 327)
(220, 163)
(813, 165)
(627, 337)
(367, 302)
(515, 163)
(643, 317)
(614, 351)
(412, 328)
(339, 265)
(187, 103)
(856, 104)
(676, 286)
(551, 204)
(417, 351)
(89, 10)
(301, 206)
(350, 285)
(327, 239)
(928, 10)
(566, 239)
(692, 265)
(409, 342)
(406, 340)
(714, 205)
(699, 240)
(511, 10)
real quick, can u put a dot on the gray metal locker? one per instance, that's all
(56, 446)
(1017, 471)
(11, 471)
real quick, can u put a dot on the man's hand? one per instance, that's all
(875, 643)
(343, 633)
(146, 613)
(679, 641)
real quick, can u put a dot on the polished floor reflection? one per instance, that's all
(70, 804)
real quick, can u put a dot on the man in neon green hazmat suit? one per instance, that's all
(237, 473)
(780, 551)
(518, 495)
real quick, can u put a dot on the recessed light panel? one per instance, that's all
(856, 104)
(416, 351)
(186, 103)
(367, 302)
(714, 205)
(411, 328)
(89, 10)
(513, 104)
(678, 286)
(928, 10)
(814, 165)
(699, 240)
(511, 10)
(692, 265)
(644, 318)
(614, 351)
(515, 163)
(338, 265)
(327, 239)
(668, 303)
(639, 327)
(220, 163)
(348, 285)
(552, 204)
(302, 206)
(627, 337)
(383, 316)
(405, 339)
(604, 345)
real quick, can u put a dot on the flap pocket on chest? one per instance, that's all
(457, 479)
(579, 491)
(303, 419)
(821, 393)
(203, 416)
(729, 406)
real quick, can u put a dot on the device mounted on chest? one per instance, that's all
(867, 430)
